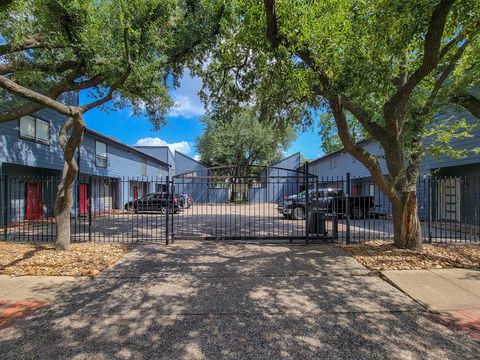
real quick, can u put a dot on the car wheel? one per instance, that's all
(298, 213)
(132, 210)
(357, 213)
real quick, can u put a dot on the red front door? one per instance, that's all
(83, 198)
(33, 199)
(135, 192)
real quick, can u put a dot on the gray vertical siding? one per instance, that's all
(15, 150)
(281, 179)
(162, 153)
(184, 164)
(22, 157)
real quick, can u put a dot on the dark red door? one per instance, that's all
(135, 192)
(33, 199)
(354, 190)
(83, 198)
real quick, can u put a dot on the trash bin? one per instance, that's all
(316, 222)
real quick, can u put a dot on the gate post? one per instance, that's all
(429, 202)
(347, 206)
(89, 194)
(173, 210)
(167, 228)
(5, 207)
(307, 237)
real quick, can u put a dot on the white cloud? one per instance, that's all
(185, 107)
(181, 146)
(196, 157)
(187, 101)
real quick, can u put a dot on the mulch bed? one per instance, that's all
(85, 259)
(382, 255)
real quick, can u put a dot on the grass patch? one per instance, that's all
(84, 259)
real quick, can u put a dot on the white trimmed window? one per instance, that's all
(100, 154)
(35, 129)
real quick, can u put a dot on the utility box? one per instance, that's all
(316, 222)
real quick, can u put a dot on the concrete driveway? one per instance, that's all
(202, 300)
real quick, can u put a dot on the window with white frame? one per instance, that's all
(100, 154)
(143, 168)
(35, 129)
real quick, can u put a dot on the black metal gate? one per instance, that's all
(244, 202)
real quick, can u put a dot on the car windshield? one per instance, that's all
(148, 197)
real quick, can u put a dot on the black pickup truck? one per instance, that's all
(326, 200)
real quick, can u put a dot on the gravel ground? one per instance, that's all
(197, 300)
(86, 259)
(381, 255)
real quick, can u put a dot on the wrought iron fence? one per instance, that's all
(271, 204)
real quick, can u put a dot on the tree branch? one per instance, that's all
(34, 96)
(35, 41)
(367, 159)
(109, 96)
(393, 109)
(127, 46)
(25, 65)
(469, 102)
(443, 76)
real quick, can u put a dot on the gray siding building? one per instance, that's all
(31, 159)
(454, 182)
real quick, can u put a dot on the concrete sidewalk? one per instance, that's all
(452, 293)
(206, 300)
(19, 288)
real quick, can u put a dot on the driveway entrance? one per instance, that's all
(207, 300)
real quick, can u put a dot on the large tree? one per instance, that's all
(385, 63)
(121, 53)
(242, 141)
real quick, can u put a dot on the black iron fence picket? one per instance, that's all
(231, 204)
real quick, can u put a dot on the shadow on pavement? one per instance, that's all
(204, 300)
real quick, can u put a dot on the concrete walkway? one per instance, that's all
(21, 288)
(201, 300)
(453, 293)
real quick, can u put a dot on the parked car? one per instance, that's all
(327, 200)
(186, 200)
(157, 202)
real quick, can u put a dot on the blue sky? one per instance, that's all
(183, 126)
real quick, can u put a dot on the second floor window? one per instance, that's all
(35, 129)
(143, 169)
(100, 154)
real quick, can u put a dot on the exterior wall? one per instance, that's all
(465, 180)
(198, 188)
(281, 180)
(30, 159)
(339, 163)
(184, 164)
(430, 163)
(121, 162)
(162, 153)
(16, 150)
(125, 165)
(335, 166)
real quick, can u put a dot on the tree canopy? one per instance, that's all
(391, 65)
(242, 141)
(120, 53)
(124, 53)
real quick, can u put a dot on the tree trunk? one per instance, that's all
(63, 206)
(406, 224)
(64, 199)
